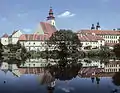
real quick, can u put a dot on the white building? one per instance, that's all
(12, 39)
(37, 41)
(5, 39)
(91, 41)
(91, 63)
(112, 66)
(110, 37)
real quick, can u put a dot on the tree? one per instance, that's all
(116, 50)
(15, 54)
(66, 45)
(116, 79)
(1, 50)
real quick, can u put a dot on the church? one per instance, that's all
(34, 41)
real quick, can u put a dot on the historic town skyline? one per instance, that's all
(78, 14)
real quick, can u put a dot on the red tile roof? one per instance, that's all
(110, 44)
(48, 28)
(90, 38)
(5, 36)
(33, 37)
(100, 32)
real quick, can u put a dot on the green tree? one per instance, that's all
(1, 50)
(116, 79)
(116, 50)
(65, 45)
(15, 54)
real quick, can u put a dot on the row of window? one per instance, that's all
(36, 64)
(111, 41)
(33, 43)
(112, 65)
(111, 70)
(109, 36)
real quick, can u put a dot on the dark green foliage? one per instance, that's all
(116, 79)
(15, 54)
(103, 52)
(65, 73)
(66, 47)
(1, 50)
(116, 50)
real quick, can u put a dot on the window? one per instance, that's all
(34, 65)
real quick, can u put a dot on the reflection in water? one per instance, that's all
(116, 79)
(66, 73)
(92, 79)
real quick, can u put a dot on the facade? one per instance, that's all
(91, 41)
(112, 66)
(12, 39)
(5, 39)
(37, 41)
(111, 37)
(92, 63)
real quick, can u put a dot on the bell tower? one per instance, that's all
(51, 18)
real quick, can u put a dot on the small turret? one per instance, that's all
(98, 26)
(93, 27)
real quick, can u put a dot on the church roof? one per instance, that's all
(47, 28)
(5, 36)
(31, 37)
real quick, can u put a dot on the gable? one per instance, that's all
(17, 34)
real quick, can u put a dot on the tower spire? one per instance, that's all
(51, 18)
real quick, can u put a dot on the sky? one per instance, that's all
(25, 15)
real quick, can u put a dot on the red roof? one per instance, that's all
(48, 28)
(100, 32)
(5, 36)
(90, 38)
(33, 37)
(110, 44)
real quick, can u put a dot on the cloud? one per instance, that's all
(27, 30)
(66, 14)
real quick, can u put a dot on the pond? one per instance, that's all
(30, 84)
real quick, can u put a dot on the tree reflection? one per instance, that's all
(65, 73)
(116, 79)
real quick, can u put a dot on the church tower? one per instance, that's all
(51, 18)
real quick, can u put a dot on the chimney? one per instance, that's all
(93, 27)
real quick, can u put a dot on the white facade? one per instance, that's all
(113, 66)
(92, 64)
(34, 45)
(13, 39)
(111, 38)
(5, 40)
(93, 44)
